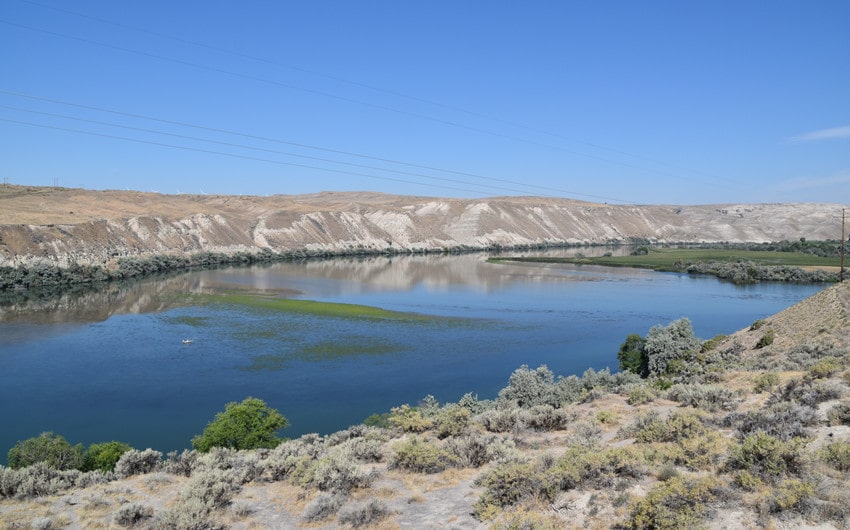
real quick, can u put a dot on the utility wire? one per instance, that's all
(245, 157)
(252, 148)
(307, 146)
(338, 97)
(364, 85)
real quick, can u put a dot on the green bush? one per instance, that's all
(768, 457)
(766, 339)
(422, 456)
(48, 447)
(680, 502)
(507, 484)
(790, 495)
(104, 456)
(766, 382)
(640, 395)
(824, 368)
(409, 419)
(757, 324)
(451, 420)
(837, 455)
(250, 424)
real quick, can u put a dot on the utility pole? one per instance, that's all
(843, 244)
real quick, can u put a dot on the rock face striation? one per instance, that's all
(73, 226)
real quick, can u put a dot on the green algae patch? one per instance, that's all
(315, 308)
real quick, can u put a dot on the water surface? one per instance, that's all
(112, 364)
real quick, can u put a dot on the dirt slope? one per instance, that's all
(65, 226)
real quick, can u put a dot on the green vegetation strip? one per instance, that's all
(668, 259)
(312, 307)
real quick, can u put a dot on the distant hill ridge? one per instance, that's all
(64, 226)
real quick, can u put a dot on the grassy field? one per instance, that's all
(676, 259)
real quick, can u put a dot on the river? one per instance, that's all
(112, 365)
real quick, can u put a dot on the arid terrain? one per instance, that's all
(73, 226)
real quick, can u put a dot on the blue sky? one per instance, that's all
(636, 102)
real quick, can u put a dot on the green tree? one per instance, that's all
(250, 424)
(103, 456)
(632, 355)
(47, 447)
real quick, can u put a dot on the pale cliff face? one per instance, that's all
(65, 226)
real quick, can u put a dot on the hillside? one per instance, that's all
(755, 434)
(65, 226)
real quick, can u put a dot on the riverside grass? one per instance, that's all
(675, 259)
(313, 307)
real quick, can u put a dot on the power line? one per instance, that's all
(307, 146)
(234, 53)
(252, 148)
(340, 98)
(233, 155)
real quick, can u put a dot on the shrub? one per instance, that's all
(791, 494)
(545, 418)
(500, 420)
(665, 344)
(680, 502)
(641, 394)
(409, 419)
(130, 513)
(470, 450)
(839, 414)
(50, 448)
(336, 472)
(364, 514)
(422, 456)
(181, 463)
(784, 420)
(768, 457)
(837, 455)
(766, 382)
(507, 484)
(529, 387)
(766, 339)
(707, 397)
(250, 424)
(40, 479)
(824, 368)
(104, 456)
(808, 392)
(323, 506)
(580, 465)
(757, 324)
(451, 420)
(135, 462)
